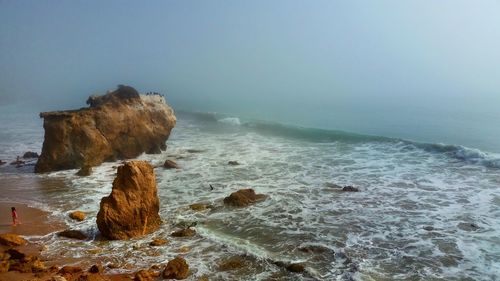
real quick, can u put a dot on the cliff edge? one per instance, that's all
(119, 125)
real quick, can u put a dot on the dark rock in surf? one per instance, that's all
(428, 228)
(119, 125)
(233, 163)
(467, 226)
(158, 242)
(231, 263)
(30, 154)
(296, 267)
(85, 171)
(243, 198)
(176, 269)
(170, 164)
(2, 162)
(18, 163)
(185, 232)
(72, 234)
(350, 189)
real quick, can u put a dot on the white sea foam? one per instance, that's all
(230, 121)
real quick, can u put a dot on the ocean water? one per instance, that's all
(424, 211)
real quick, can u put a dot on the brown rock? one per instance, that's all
(158, 242)
(185, 232)
(243, 198)
(11, 239)
(295, 267)
(176, 269)
(73, 234)
(15, 254)
(170, 164)
(69, 272)
(4, 266)
(119, 125)
(70, 269)
(95, 269)
(131, 209)
(144, 275)
(2, 162)
(77, 215)
(38, 266)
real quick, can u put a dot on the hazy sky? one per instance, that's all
(248, 55)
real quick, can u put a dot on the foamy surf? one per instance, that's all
(423, 212)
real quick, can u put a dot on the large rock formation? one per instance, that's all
(119, 125)
(132, 207)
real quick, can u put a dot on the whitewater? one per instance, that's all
(423, 211)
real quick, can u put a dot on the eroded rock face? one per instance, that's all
(119, 125)
(131, 209)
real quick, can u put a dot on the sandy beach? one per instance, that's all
(33, 221)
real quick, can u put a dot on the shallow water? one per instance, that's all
(424, 211)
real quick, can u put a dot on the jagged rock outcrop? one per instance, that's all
(119, 125)
(131, 209)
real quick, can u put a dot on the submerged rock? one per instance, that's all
(158, 242)
(131, 209)
(119, 125)
(296, 267)
(231, 263)
(85, 171)
(233, 163)
(170, 164)
(243, 198)
(467, 226)
(349, 188)
(11, 239)
(200, 207)
(176, 269)
(72, 234)
(185, 232)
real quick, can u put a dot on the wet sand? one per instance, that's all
(32, 221)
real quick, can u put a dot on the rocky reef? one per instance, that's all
(131, 209)
(119, 125)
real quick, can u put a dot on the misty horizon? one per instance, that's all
(392, 68)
